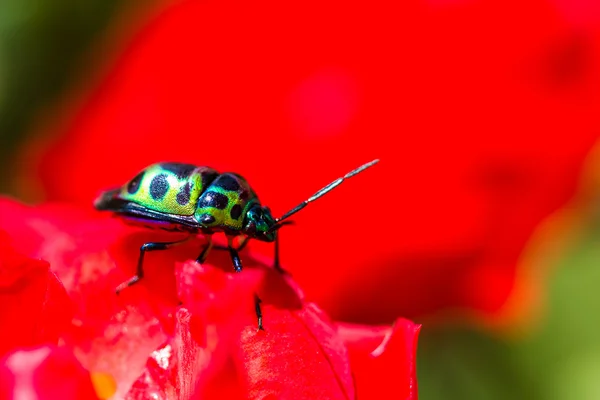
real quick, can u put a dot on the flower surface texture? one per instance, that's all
(186, 331)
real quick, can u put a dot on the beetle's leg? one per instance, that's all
(235, 257)
(276, 262)
(204, 253)
(237, 266)
(244, 241)
(152, 246)
(259, 316)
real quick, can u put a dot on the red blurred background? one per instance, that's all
(482, 113)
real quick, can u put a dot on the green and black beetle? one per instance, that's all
(196, 199)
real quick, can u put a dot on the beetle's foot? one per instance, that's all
(260, 325)
(258, 311)
(282, 271)
(135, 279)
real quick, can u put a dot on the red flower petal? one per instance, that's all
(216, 297)
(209, 348)
(44, 373)
(220, 304)
(197, 359)
(300, 356)
(109, 334)
(183, 368)
(383, 359)
(34, 307)
(158, 379)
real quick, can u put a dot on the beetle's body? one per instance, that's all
(184, 197)
(195, 199)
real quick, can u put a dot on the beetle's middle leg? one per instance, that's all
(151, 246)
(204, 253)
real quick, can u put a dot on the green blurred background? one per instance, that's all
(558, 359)
(43, 46)
(43, 50)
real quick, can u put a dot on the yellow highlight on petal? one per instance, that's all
(104, 384)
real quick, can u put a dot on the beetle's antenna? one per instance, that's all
(321, 192)
(278, 226)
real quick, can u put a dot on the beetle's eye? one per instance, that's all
(207, 219)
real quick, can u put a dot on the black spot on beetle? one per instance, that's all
(134, 184)
(159, 187)
(227, 182)
(213, 199)
(206, 219)
(208, 176)
(183, 197)
(181, 170)
(236, 211)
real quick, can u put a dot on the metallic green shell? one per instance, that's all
(235, 196)
(170, 188)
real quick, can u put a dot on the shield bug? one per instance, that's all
(200, 200)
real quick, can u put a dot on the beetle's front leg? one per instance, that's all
(152, 246)
(276, 263)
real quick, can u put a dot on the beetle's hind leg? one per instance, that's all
(151, 246)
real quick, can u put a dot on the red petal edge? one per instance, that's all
(34, 306)
(383, 359)
(299, 356)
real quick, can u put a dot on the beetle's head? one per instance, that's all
(258, 223)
